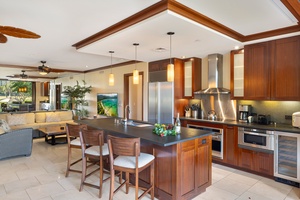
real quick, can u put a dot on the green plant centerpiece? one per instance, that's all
(164, 130)
(76, 95)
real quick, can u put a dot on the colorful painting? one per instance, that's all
(107, 104)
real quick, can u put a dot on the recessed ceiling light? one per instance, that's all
(86, 66)
(160, 49)
(236, 47)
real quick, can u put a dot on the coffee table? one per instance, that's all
(52, 132)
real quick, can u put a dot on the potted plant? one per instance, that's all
(76, 95)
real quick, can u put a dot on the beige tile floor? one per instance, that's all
(42, 177)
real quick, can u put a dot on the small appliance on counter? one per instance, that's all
(296, 119)
(264, 119)
(244, 112)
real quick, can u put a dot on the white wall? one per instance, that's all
(99, 82)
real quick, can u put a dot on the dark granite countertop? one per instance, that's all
(145, 133)
(272, 127)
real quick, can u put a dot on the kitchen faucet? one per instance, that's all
(126, 111)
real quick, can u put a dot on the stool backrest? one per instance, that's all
(74, 129)
(124, 146)
(92, 137)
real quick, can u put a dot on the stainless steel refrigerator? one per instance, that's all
(161, 102)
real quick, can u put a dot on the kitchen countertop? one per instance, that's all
(145, 133)
(272, 127)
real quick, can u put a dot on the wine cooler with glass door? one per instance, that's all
(287, 158)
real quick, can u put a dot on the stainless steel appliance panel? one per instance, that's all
(256, 138)
(161, 102)
(287, 156)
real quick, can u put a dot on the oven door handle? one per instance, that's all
(252, 133)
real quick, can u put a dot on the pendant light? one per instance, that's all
(135, 71)
(111, 79)
(170, 68)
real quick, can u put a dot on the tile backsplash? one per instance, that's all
(277, 109)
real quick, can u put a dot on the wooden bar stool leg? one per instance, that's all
(136, 185)
(83, 174)
(152, 181)
(112, 179)
(127, 182)
(68, 162)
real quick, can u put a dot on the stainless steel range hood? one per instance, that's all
(215, 76)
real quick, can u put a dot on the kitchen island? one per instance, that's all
(182, 162)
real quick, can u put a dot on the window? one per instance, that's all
(17, 95)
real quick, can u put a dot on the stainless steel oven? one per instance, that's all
(217, 139)
(256, 138)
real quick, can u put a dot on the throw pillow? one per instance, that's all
(52, 117)
(4, 125)
(16, 119)
(2, 131)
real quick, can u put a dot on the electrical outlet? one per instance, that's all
(288, 117)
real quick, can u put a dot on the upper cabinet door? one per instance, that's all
(191, 76)
(285, 67)
(237, 74)
(257, 71)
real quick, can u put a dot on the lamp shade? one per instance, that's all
(135, 76)
(111, 79)
(170, 73)
(43, 73)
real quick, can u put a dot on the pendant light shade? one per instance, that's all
(170, 69)
(111, 78)
(135, 71)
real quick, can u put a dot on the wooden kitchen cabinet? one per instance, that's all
(286, 69)
(246, 159)
(264, 163)
(231, 145)
(237, 74)
(260, 162)
(191, 76)
(272, 70)
(257, 71)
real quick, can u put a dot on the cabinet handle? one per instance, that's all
(203, 141)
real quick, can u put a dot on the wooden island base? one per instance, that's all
(183, 170)
(182, 163)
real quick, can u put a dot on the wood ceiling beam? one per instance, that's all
(176, 7)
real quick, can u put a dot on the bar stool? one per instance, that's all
(125, 156)
(73, 132)
(96, 152)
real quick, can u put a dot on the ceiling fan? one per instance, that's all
(15, 32)
(43, 69)
(25, 76)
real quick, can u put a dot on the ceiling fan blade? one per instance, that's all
(18, 32)
(3, 38)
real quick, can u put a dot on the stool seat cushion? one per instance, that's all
(94, 150)
(129, 161)
(76, 142)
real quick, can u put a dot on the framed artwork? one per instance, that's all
(107, 104)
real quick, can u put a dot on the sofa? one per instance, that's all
(16, 143)
(36, 120)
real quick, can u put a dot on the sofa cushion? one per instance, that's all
(66, 115)
(40, 117)
(52, 117)
(16, 119)
(3, 116)
(30, 118)
(2, 130)
(4, 125)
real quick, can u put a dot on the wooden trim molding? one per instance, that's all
(174, 6)
(132, 20)
(294, 7)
